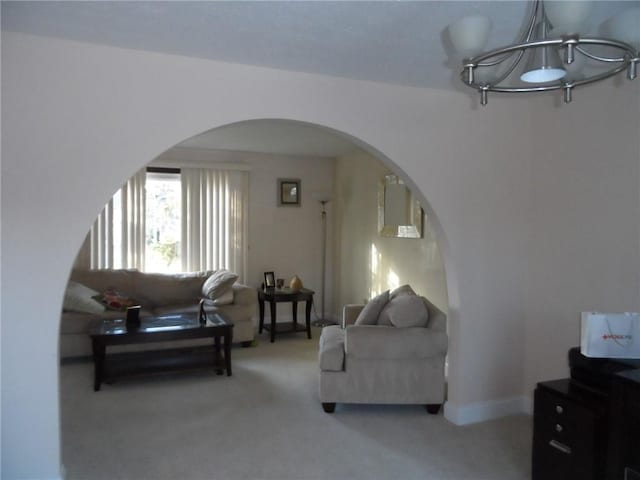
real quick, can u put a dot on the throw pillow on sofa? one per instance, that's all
(114, 300)
(218, 284)
(407, 311)
(371, 311)
(402, 291)
(79, 298)
(225, 299)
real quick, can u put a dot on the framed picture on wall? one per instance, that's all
(289, 192)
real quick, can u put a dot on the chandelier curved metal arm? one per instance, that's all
(626, 58)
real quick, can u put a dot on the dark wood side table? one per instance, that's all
(273, 296)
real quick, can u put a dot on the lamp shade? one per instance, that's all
(469, 35)
(567, 16)
(544, 66)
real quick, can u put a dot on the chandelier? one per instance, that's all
(534, 63)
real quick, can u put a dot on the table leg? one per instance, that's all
(272, 304)
(308, 317)
(261, 307)
(99, 352)
(294, 312)
(217, 355)
(227, 352)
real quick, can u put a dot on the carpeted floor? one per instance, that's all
(265, 422)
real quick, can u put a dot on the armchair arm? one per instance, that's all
(381, 342)
(350, 313)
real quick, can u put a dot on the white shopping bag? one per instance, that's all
(610, 335)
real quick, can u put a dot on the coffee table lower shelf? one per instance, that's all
(129, 364)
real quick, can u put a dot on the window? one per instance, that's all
(175, 220)
(163, 222)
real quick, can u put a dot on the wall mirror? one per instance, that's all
(399, 214)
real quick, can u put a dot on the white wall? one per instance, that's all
(284, 240)
(79, 119)
(398, 261)
(585, 215)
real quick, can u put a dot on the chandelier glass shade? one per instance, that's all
(551, 53)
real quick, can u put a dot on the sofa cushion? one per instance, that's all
(79, 298)
(371, 311)
(158, 289)
(408, 311)
(218, 283)
(331, 352)
(377, 343)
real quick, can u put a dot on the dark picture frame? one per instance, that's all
(289, 192)
(269, 280)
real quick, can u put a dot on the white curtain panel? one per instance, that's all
(214, 220)
(118, 234)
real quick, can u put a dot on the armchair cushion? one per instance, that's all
(331, 354)
(380, 342)
(371, 311)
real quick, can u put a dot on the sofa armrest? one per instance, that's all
(331, 351)
(244, 295)
(382, 342)
(350, 313)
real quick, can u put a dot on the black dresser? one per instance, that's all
(588, 427)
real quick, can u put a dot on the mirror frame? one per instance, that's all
(413, 229)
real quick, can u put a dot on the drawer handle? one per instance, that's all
(560, 446)
(559, 428)
(559, 409)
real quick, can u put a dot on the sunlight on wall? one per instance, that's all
(383, 277)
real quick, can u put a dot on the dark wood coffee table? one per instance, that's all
(273, 296)
(161, 329)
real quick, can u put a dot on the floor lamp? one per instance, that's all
(323, 198)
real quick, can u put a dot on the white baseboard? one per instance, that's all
(489, 410)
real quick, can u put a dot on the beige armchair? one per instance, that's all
(383, 364)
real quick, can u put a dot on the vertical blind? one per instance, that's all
(118, 234)
(214, 220)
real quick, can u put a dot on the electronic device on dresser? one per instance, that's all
(588, 426)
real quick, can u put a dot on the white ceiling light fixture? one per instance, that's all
(533, 64)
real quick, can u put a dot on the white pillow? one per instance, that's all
(408, 311)
(225, 299)
(78, 298)
(369, 314)
(218, 283)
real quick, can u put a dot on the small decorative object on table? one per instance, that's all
(295, 283)
(280, 283)
(133, 316)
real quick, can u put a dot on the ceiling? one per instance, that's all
(403, 43)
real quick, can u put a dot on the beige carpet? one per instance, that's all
(265, 422)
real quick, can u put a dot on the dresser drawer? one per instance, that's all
(565, 437)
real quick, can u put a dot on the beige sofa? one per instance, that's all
(158, 294)
(383, 364)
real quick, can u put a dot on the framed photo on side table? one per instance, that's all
(269, 280)
(289, 192)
